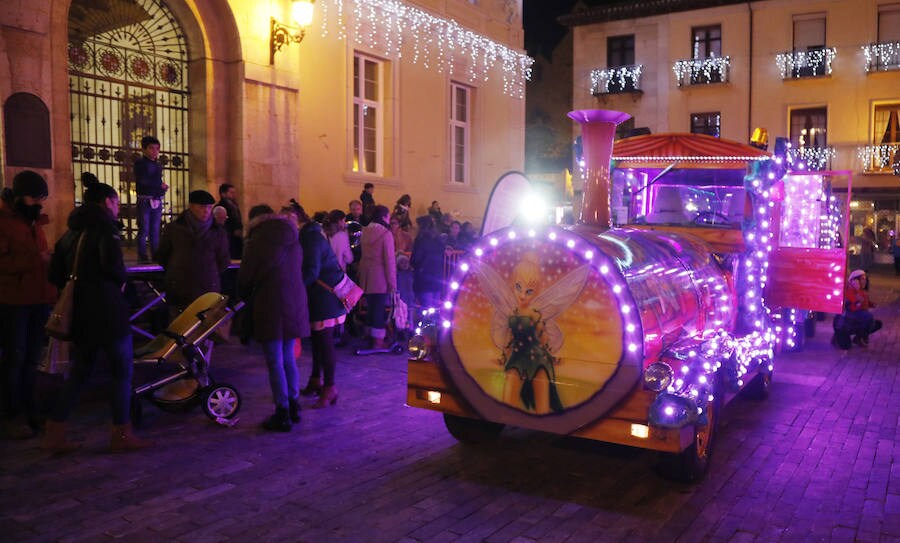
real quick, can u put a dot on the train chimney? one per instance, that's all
(598, 129)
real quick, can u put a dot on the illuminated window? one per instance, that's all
(706, 42)
(460, 130)
(706, 123)
(809, 127)
(368, 123)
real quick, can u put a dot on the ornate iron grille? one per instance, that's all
(128, 78)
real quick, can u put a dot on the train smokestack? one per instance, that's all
(598, 129)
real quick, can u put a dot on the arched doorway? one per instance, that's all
(128, 77)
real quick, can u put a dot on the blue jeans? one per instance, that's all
(148, 220)
(22, 343)
(118, 353)
(283, 375)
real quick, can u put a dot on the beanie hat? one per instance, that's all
(29, 183)
(201, 197)
(856, 273)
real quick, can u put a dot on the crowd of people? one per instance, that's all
(290, 263)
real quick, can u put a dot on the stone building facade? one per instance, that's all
(421, 97)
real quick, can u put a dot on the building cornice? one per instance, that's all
(636, 9)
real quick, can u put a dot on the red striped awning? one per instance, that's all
(689, 150)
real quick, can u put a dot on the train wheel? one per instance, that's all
(692, 464)
(471, 431)
(221, 401)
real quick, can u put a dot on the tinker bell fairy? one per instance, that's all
(523, 328)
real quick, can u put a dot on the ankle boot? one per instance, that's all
(313, 387)
(55, 438)
(122, 439)
(294, 410)
(328, 396)
(280, 421)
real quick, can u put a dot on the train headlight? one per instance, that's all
(658, 376)
(417, 347)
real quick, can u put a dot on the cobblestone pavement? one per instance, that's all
(818, 461)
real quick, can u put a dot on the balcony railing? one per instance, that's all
(878, 158)
(701, 71)
(882, 57)
(814, 62)
(616, 80)
(812, 158)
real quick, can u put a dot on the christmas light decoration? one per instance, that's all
(882, 57)
(812, 63)
(701, 71)
(621, 79)
(878, 157)
(392, 27)
(812, 158)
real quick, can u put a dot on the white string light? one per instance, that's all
(392, 27)
(877, 157)
(791, 63)
(815, 158)
(622, 78)
(701, 70)
(882, 56)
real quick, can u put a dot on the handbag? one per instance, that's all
(59, 325)
(346, 291)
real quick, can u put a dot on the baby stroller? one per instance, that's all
(178, 348)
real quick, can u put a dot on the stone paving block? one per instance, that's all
(813, 462)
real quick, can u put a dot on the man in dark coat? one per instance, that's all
(25, 299)
(100, 315)
(428, 263)
(234, 225)
(271, 279)
(194, 252)
(367, 197)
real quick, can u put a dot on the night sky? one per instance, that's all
(542, 32)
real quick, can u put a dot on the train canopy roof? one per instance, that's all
(697, 151)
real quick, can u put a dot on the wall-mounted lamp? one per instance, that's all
(281, 34)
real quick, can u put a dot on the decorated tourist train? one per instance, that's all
(693, 265)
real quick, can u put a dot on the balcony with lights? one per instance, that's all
(813, 62)
(618, 80)
(882, 57)
(814, 159)
(879, 158)
(701, 71)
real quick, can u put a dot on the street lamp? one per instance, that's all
(281, 34)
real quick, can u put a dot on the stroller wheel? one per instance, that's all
(398, 348)
(221, 401)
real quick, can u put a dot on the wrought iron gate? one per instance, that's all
(128, 78)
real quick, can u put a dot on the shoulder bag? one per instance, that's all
(59, 325)
(346, 291)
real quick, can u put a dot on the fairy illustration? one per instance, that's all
(524, 330)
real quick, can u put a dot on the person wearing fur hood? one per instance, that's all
(271, 280)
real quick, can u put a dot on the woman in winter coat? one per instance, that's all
(321, 273)
(336, 229)
(377, 272)
(428, 263)
(271, 279)
(99, 316)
